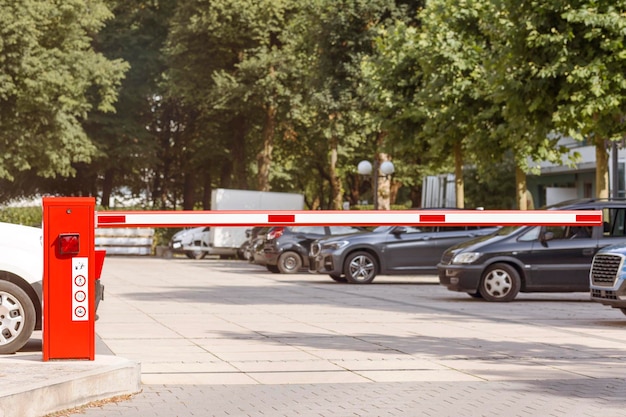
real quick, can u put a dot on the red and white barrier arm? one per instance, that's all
(347, 217)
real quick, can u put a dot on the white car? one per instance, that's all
(193, 242)
(21, 274)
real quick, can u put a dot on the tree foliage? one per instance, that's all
(50, 79)
(172, 98)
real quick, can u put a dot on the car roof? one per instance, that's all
(588, 203)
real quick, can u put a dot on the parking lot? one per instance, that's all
(217, 337)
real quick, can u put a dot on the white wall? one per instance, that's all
(557, 194)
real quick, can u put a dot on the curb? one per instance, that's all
(33, 388)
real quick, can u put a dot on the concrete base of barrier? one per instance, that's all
(32, 388)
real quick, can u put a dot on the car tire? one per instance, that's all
(195, 254)
(289, 262)
(17, 317)
(273, 269)
(360, 268)
(500, 282)
(241, 252)
(338, 278)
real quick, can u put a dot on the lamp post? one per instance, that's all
(385, 170)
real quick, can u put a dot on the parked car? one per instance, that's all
(532, 258)
(21, 273)
(253, 236)
(21, 291)
(607, 278)
(286, 249)
(193, 242)
(387, 250)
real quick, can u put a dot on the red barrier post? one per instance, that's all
(69, 278)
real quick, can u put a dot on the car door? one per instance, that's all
(614, 229)
(447, 236)
(563, 262)
(560, 258)
(409, 249)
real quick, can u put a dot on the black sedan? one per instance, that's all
(285, 249)
(387, 250)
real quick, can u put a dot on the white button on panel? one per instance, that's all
(80, 289)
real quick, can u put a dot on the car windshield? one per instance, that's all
(506, 230)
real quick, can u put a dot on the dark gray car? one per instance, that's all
(533, 258)
(387, 250)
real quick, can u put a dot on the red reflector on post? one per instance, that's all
(69, 244)
(583, 218)
(435, 218)
(111, 219)
(281, 218)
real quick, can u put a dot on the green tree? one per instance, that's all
(336, 37)
(225, 62)
(129, 140)
(578, 48)
(50, 79)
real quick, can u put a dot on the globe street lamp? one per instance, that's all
(385, 170)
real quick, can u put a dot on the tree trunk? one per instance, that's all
(264, 158)
(238, 152)
(107, 188)
(602, 169)
(520, 187)
(226, 174)
(335, 181)
(188, 192)
(459, 183)
(415, 193)
(384, 184)
(206, 193)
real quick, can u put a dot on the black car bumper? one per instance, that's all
(324, 264)
(464, 278)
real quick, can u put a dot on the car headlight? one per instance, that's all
(466, 257)
(335, 245)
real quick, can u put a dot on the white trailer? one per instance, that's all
(226, 241)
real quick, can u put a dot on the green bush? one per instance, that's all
(28, 216)
(371, 207)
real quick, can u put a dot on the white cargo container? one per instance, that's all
(226, 241)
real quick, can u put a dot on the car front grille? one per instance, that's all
(605, 268)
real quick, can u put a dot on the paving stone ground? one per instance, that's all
(227, 338)
(566, 398)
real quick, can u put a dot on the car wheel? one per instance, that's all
(17, 317)
(273, 269)
(289, 262)
(360, 268)
(241, 252)
(338, 278)
(500, 282)
(195, 254)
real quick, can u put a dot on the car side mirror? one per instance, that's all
(399, 230)
(547, 236)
